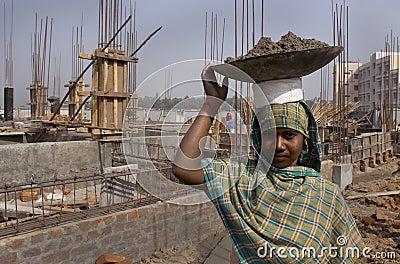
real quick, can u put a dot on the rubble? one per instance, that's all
(374, 201)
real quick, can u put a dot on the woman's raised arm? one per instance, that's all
(187, 163)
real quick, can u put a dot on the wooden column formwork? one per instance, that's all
(38, 102)
(109, 88)
(76, 98)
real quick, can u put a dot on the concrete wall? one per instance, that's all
(134, 234)
(44, 161)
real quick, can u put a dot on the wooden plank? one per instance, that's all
(103, 121)
(85, 56)
(60, 209)
(110, 94)
(95, 85)
(116, 57)
(116, 89)
(369, 195)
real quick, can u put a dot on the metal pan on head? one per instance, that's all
(278, 65)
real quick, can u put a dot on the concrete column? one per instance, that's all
(342, 175)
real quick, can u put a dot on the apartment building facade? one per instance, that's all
(374, 84)
(346, 83)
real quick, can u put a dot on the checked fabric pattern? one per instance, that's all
(291, 208)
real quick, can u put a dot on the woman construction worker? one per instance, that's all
(276, 208)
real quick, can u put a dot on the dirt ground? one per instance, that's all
(186, 253)
(375, 208)
(377, 211)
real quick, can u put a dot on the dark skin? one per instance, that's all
(288, 146)
(186, 166)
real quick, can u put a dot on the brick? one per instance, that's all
(371, 162)
(107, 230)
(107, 218)
(32, 252)
(110, 240)
(363, 165)
(66, 242)
(16, 242)
(378, 158)
(27, 195)
(53, 233)
(57, 257)
(36, 237)
(380, 215)
(112, 259)
(385, 156)
(84, 226)
(368, 221)
(121, 218)
(8, 257)
(131, 234)
(119, 227)
(133, 214)
(93, 234)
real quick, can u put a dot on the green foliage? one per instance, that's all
(179, 103)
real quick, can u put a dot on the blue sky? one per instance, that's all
(182, 36)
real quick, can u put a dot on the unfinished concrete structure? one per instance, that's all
(109, 88)
(76, 99)
(57, 214)
(41, 51)
(9, 71)
(8, 103)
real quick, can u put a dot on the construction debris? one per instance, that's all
(112, 259)
(375, 202)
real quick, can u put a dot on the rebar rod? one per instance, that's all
(87, 68)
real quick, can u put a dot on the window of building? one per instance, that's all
(355, 87)
(356, 76)
(355, 99)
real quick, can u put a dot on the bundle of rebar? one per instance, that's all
(111, 13)
(40, 64)
(8, 50)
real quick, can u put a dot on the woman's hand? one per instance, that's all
(213, 91)
(187, 162)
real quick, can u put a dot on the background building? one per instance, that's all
(374, 84)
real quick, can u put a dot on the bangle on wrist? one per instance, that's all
(211, 106)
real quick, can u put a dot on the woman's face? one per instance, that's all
(288, 146)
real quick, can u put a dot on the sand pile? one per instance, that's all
(287, 43)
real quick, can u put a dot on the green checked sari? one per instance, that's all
(289, 215)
